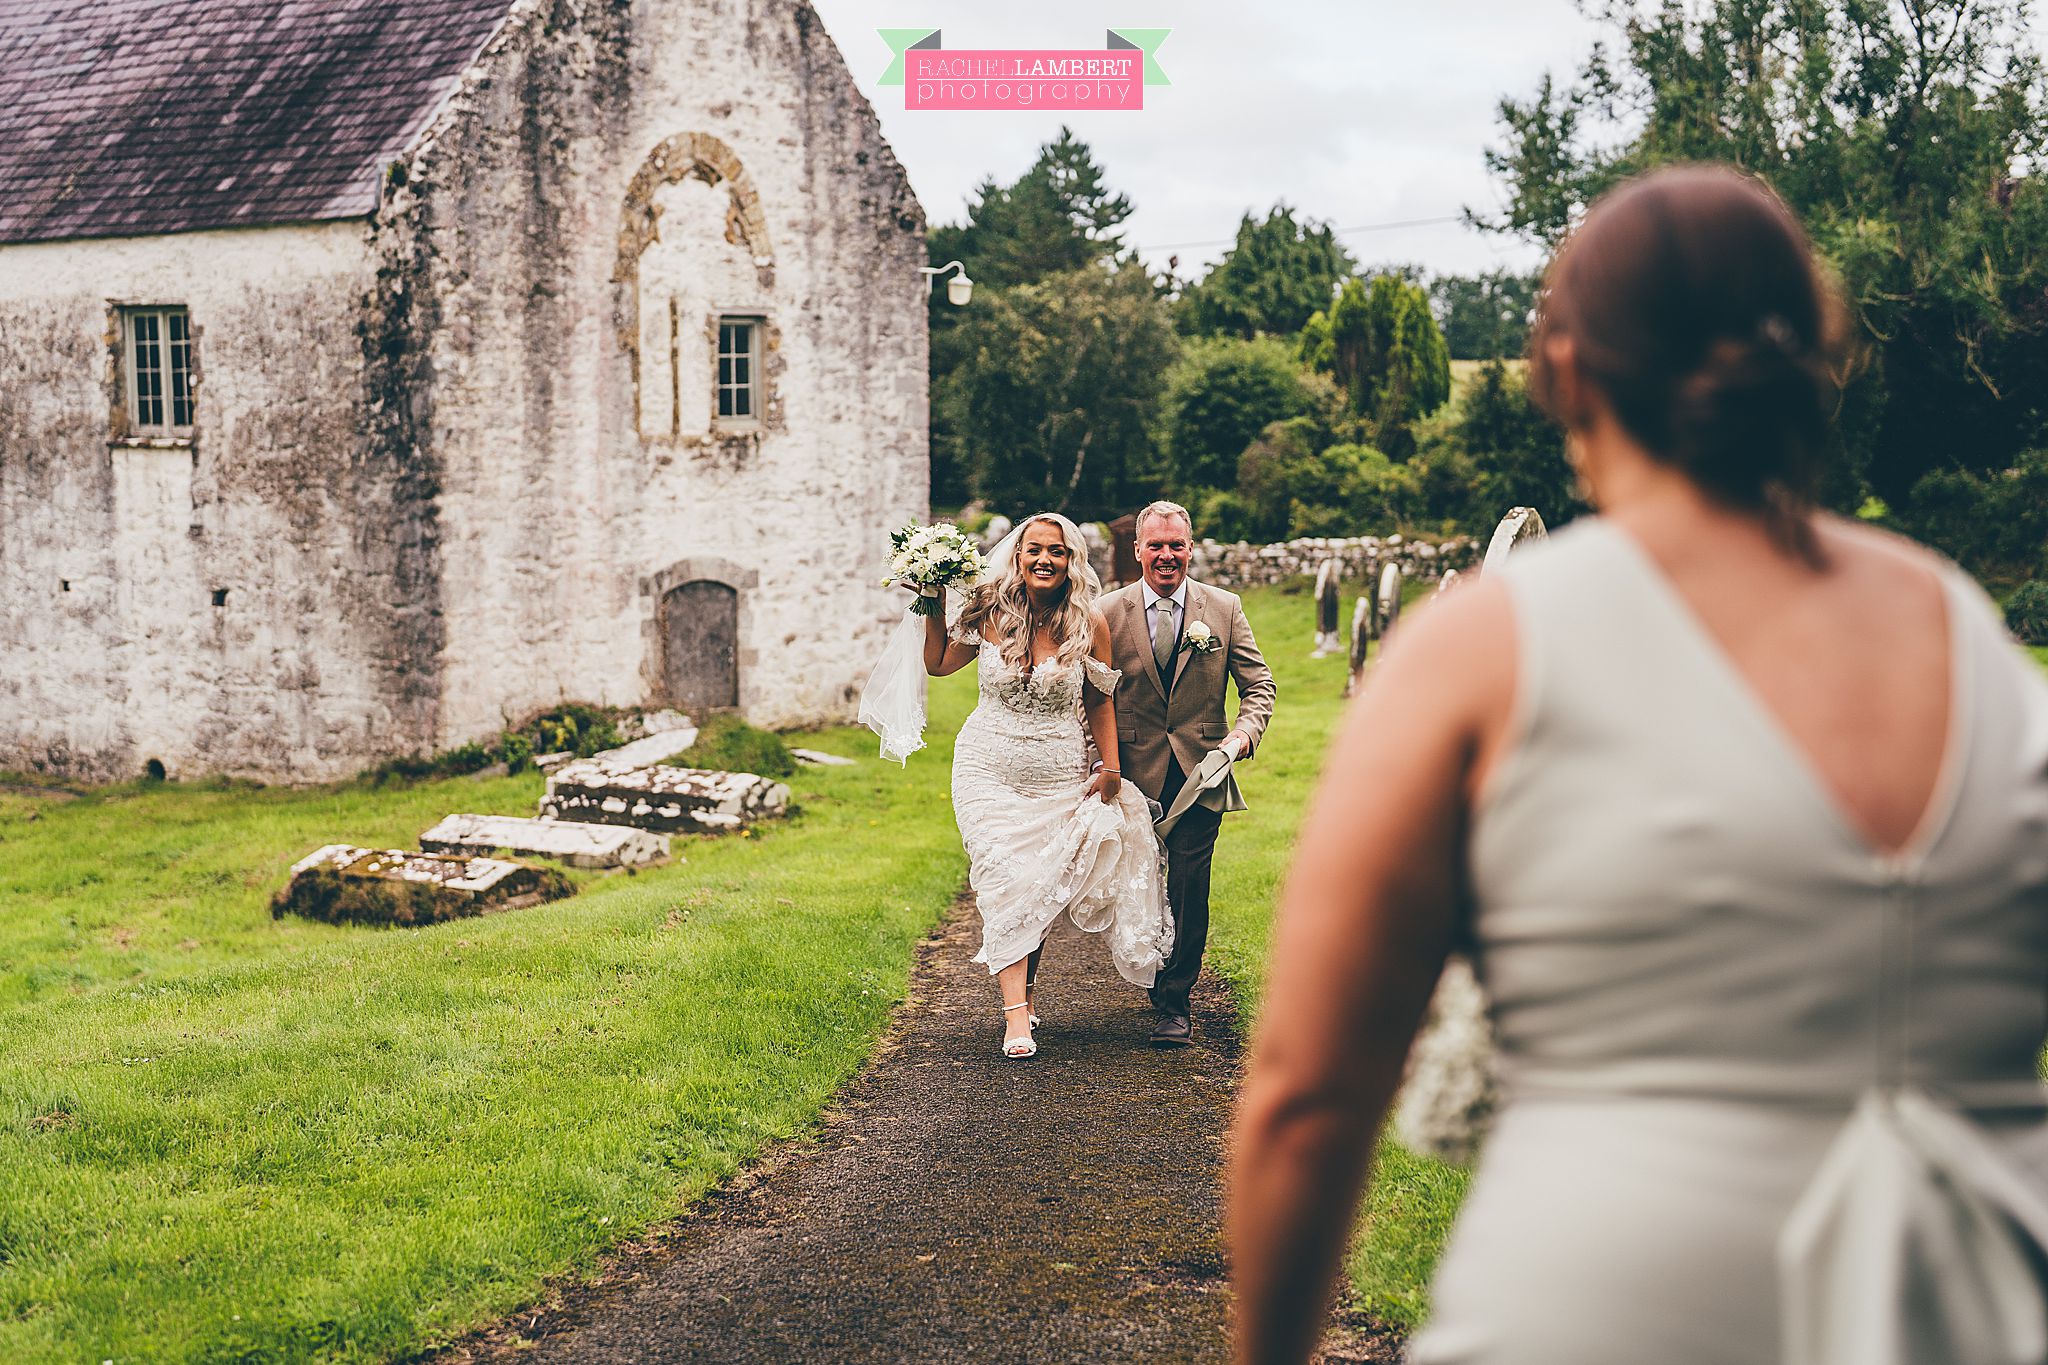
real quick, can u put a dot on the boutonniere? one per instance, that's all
(1200, 639)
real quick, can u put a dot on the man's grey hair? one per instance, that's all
(1163, 508)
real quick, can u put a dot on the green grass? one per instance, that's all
(1413, 1198)
(228, 1137)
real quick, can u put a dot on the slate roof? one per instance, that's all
(121, 117)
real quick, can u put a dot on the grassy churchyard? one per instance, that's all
(229, 1137)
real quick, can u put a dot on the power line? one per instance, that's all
(1362, 227)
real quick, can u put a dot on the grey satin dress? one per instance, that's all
(1769, 1094)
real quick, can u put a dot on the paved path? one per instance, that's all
(958, 1206)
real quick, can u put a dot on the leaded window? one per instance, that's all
(159, 380)
(738, 369)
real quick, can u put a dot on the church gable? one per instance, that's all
(130, 117)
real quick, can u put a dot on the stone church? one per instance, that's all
(377, 372)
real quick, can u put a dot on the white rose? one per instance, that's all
(1199, 633)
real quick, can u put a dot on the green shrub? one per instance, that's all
(729, 744)
(2026, 612)
(1995, 525)
(572, 728)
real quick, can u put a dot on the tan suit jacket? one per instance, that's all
(1152, 725)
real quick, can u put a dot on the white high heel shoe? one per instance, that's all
(1019, 1048)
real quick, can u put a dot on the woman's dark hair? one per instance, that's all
(1693, 303)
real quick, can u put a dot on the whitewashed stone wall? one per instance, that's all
(419, 468)
(112, 651)
(569, 505)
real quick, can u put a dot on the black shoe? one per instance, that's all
(1173, 1030)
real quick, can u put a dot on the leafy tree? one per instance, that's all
(1896, 131)
(1380, 342)
(1279, 273)
(1484, 317)
(1059, 216)
(1995, 525)
(1220, 395)
(1052, 403)
(1288, 485)
(1517, 452)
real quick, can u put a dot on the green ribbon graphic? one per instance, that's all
(900, 40)
(1147, 41)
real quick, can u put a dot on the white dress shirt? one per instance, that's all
(1180, 608)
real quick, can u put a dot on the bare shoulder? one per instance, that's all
(1463, 631)
(1098, 627)
(1859, 545)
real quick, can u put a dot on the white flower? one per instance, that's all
(1200, 638)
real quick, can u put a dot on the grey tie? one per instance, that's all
(1163, 636)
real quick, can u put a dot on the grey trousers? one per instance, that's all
(1189, 848)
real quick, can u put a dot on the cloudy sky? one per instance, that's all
(1357, 112)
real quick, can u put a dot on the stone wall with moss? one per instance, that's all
(610, 182)
(447, 460)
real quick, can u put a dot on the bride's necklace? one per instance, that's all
(1032, 621)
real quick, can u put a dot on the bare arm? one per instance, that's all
(942, 653)
(1365, 921)
(1101, 709)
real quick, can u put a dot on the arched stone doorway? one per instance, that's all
(699, 625)
(696, 633)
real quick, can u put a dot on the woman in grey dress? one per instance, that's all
(1742, 810)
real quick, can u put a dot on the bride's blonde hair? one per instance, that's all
(999, 608)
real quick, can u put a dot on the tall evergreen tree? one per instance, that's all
(1380, 342)
(1484, 317)
(1059, 216)
(1279, 273)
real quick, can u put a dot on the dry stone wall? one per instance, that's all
(1362, 558)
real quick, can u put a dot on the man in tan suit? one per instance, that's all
(1178, 642)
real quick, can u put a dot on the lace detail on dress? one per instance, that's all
(1037, 846)
(1100, 675)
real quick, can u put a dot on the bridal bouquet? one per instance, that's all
(932, 559)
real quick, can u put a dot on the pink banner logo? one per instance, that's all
(1024, 78)
(1113, 76)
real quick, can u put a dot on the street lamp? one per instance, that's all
(959, 289)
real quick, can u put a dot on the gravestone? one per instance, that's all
(700, 633)
(663, 799)
(1101, 553)
(1443, 585)
(1519, 525)
(1123, 536)
(1452, 1087)
(1389, 607)
(1328, 642)
(565, 841)
(344, 884)
(1361, 637)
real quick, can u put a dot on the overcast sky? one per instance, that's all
(1356, 112)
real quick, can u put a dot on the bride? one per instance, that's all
(1046, 831)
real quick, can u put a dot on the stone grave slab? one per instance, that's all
(645, 753)
(821, 759)
(347, 884)
(566, 841)
(661, 799)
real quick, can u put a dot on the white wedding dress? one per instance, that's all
(1037, 847)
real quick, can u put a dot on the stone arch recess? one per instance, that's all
(683, 156)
